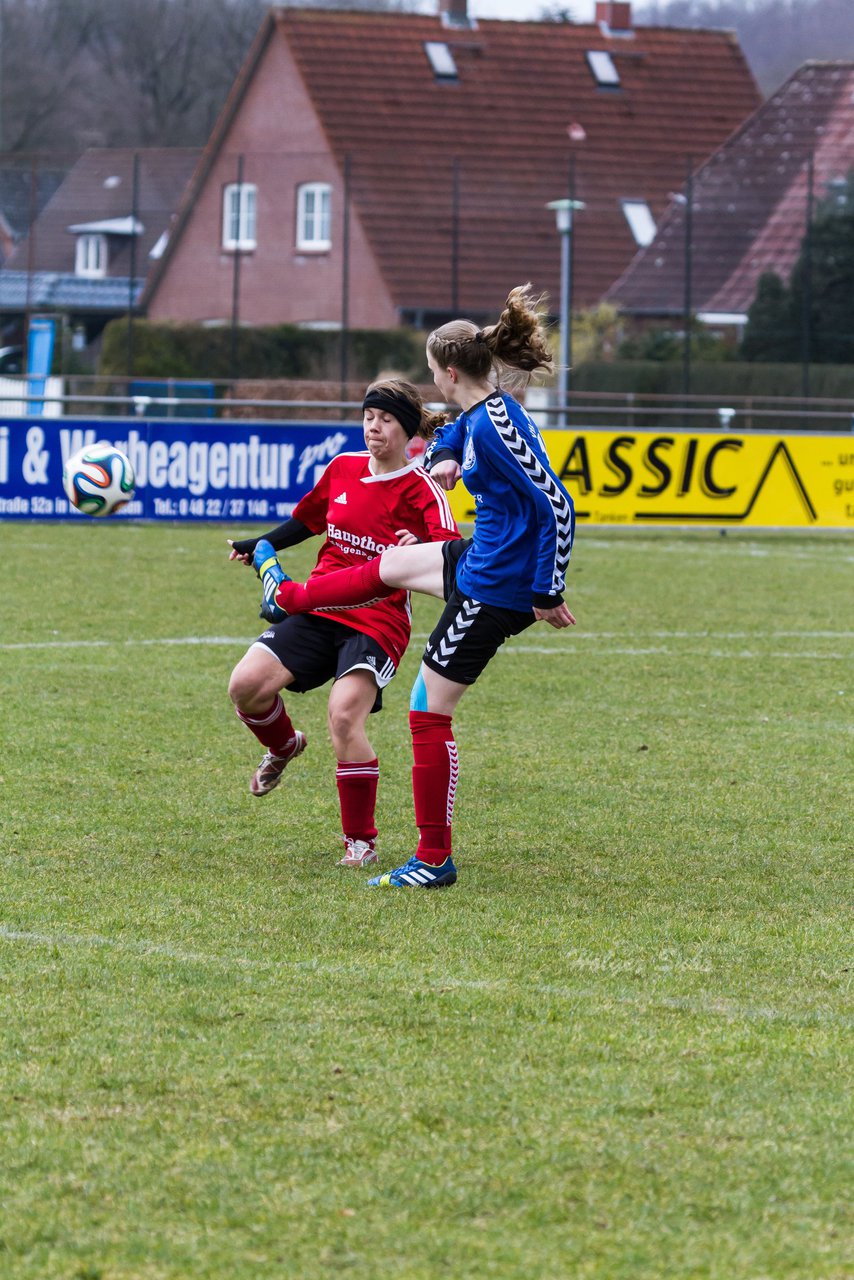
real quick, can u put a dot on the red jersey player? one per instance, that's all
(363, 503)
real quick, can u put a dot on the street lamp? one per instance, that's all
(564, 210)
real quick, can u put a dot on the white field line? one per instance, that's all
(557, 647)
(733, 547)
(729, 1010)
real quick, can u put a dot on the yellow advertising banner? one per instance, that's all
(695, 478)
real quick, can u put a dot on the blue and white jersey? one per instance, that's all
(524, 517)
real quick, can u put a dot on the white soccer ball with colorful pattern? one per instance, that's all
(98, 479)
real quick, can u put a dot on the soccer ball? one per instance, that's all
(98, 479)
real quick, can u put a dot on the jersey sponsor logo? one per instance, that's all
(342, 498)
(469, 457)
(363, 543)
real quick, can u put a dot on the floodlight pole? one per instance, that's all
(564, 210)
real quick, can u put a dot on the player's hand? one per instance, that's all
(446, 473)
(270, 572)
(557, 617)
(405, 538)
(243, 550)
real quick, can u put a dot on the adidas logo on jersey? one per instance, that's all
(342, 497)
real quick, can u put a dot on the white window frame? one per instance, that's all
(239, 216)
(641, 222)
(91, 256)
(603, 69)
(314, 217)
(441, 59)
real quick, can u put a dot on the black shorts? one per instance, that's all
(316, 650)
(469, 633)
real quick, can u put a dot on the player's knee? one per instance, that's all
(245, 690)
(343, 719)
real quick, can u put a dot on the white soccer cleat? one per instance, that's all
(358, 853)
(269, 772)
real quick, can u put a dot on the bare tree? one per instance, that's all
(42, 80)
(77, 73)
(777, 36)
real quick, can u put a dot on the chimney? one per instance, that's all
(614, 15)
(454, 13)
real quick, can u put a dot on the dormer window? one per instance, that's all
(314, 217)
(90, 257)
(602, 67)
(441, 59)
(239, 202)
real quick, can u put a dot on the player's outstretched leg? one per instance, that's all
(339, 590)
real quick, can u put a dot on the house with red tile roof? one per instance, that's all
(750, 203)
(89, 249)
(372, 168)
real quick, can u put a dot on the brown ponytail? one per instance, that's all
(517, 342)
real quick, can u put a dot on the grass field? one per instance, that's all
(619, 1048)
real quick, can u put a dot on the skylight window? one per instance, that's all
(605, 73)
(640, 220)
(158, 249)
(441, 59)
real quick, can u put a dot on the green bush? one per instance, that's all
(729, 383)
(715, 378)
(274, 351)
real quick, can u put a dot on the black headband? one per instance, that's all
(404, 410)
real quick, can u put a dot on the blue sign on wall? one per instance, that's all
(40, 340)
(184, 470)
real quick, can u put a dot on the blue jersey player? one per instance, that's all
(510, 574)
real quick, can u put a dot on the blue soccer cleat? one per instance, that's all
(416, 874)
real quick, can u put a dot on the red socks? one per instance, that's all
(357, 794)
(435, 771)
(341, 589)
(272, 728)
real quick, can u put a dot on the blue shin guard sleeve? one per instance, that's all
(418, 696)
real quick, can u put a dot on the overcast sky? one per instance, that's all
(581, 10)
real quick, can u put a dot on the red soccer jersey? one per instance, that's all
(360, 514)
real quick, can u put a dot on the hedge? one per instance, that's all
(719, 378)
(275, 351)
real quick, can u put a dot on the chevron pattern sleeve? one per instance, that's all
(447, 443)
(518, 454)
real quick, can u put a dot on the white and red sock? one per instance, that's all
(272, 728)
(357, 795)
(435, 771)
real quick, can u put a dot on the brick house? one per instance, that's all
(372, 168)
(749, 203)
(106, 222)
